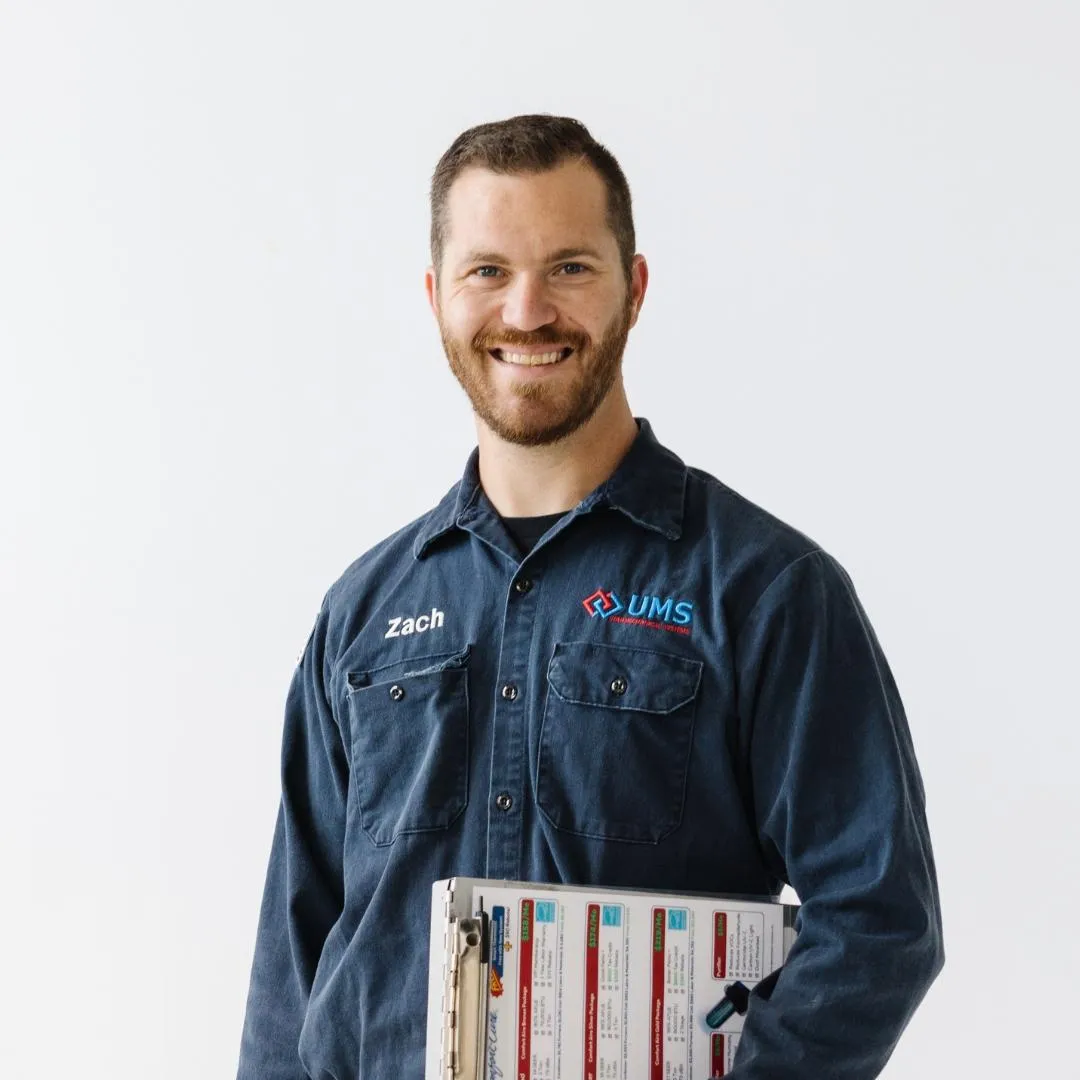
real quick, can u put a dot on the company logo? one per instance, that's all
(602, 603)
(641, 610)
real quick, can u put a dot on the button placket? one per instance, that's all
(509, 758)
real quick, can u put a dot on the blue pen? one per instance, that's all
(736, 999)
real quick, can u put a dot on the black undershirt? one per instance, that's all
(527, 530)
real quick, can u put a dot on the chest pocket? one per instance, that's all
(410, 744)
(615, 741)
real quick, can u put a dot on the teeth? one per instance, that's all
(532, 361)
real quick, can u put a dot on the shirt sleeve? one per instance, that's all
(304, 891)
(840, 814)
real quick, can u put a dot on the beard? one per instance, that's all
(542, 411)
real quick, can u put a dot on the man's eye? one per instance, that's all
(576, 270)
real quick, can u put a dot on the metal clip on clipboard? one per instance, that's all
(466, 997)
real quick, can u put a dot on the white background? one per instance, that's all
(221, 383)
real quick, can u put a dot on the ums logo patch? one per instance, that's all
(669, 614)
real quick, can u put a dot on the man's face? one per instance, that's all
(530, 269)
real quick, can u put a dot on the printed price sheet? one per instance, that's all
(608, 985)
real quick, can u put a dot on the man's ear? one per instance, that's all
(639, 282)
(431, 287)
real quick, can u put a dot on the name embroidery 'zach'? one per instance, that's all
(401, 627)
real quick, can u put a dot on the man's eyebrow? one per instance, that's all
(555, 256)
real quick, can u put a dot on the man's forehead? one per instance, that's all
(559, 209)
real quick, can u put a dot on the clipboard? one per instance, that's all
(535, 981)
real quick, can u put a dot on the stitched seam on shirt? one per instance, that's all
(874, 646)
(782, 573)
(867, 629)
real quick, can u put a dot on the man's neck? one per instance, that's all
(528, 481)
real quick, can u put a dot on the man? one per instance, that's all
(588, 664)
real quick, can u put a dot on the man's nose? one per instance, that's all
(527, 304)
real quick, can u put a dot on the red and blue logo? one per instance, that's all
(603, 603)
(642, 610)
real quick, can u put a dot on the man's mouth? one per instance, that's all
(531, 359)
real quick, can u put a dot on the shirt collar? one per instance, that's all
(648, 486)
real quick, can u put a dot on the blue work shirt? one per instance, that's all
(673, 690)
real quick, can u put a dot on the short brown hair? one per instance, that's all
(531, 143)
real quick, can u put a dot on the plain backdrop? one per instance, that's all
(221, 383)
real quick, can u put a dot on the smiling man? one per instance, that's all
(590, 663)
(535, 331)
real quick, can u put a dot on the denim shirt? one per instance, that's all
(674, 690)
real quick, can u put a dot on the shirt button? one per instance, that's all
(396, 692)
(618, 685)
(503, 801)
(522, 586)
(509, 691)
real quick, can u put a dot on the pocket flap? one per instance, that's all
(408, 669)
(614, 677)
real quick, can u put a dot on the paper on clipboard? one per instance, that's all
(602, 984)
